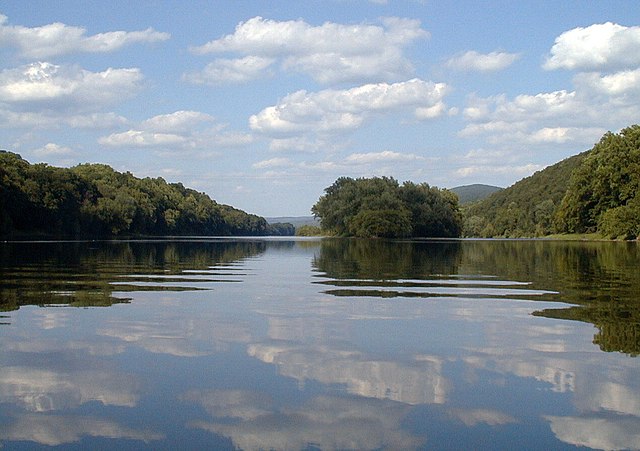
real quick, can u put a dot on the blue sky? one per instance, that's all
(263, 104)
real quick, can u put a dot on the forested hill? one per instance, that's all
(93, 200)
(472, 193)
(597, 191)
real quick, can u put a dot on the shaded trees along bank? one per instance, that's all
(381, 207)
(95, 200)
(594, 192)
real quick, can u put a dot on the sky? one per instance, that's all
(262, 104)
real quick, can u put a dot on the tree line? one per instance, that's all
(596, 191)
(95, 200)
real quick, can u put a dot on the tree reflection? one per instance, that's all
(599, 278)
(381, 259)
(84, 274)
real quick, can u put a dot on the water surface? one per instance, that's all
(319, 344)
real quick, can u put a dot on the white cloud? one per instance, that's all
(178, 130)
(228, 71)
(340, 110)
(490, 62)
(178, 122)
(52, 86)
(137, 138)
(517, 171)
(53, 149)
(272, 163)
(58, 39)
(597, 47)
(381, 157)
(617, 84)
(53, 119)
(330, 53)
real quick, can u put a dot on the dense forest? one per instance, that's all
(380, 207)
(593, 192)
(95, 200)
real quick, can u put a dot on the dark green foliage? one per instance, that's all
(595, 191)
(380, 207)
(309, 230)
(526, 208)
(603, 191)
(95, 200)
(281, 229)
(473, 193)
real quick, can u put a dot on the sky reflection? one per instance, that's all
(275, 361)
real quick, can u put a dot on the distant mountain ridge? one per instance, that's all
(296, 221)
(472, 193)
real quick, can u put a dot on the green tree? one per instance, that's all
(608, 178)
(380, 207)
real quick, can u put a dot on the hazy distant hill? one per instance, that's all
(471, 193)
(296, 221)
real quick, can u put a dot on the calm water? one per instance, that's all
(320, 344)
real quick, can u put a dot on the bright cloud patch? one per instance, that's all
(53, 149)
(329, 53)
(178, 122)
(55, 86)
(490, 62)
(380, 157)
(59, 39)
(227, 71)
(510, 171)
(175, 131)
(272, 163)
(597, 47)
(340, 110)
(137, 138)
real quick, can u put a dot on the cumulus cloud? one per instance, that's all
(562, 117)
(378, 157)
(604, 96)
(52, 86)
(519, 171)
(342, 110)
(178, 130)
(618, 84)
(490, 62)
(329, 53)
(596, 47)
(179, 121)
(53, 119)
(58, 39)
(229, 71)
(53, 149)
(272, 163)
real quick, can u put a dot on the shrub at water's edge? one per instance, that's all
(380, 207)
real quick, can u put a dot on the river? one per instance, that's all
(227, 343)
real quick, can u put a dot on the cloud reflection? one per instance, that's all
(419, 382)
(323, 422)
(610, 432)
(59, 430)
(39, 390)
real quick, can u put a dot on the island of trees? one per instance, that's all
(93, 200)
(380, 207)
